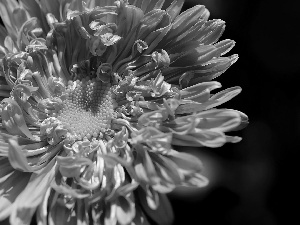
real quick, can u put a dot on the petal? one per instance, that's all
(167, 171)
(184, 22)
(6, 11)
(154, 117)
(220, 120)
(4, 146)
(210, 32)
(19, 16)
(194, 91)
(125, 210)
(34, 10)
(81, 212)
(163, 215)
(17, 158)
(32, 195)
(223, 96)
(206, 138)
(42, 210)
(213, 69)
(13, 119)
(71, 166)
(215, 100)
(244, 121)
(17, 155)
(152, 198)
(155, 37)
(51, 7)
(214, 119)
(12, 183)
(140, 218)
(59, 214)
(150, 5)
(185, 161)
(195, 180)
(200, 55)
(60, 186)
(174, 9)
(3, 34)
(110, 214)
(144, 167)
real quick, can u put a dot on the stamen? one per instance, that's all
(88, 108)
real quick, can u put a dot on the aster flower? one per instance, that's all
(95, 95)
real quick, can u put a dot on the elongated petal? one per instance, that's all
(185, 21)
(3, 34)
(12, 183)
(185, 161)
(207, 138)
(34, 10)
(192, 92)
(6, 11)
(17, 157)
(174, 9)
(32, 195)
(214, 101)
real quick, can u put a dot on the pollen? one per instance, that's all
(88, 108)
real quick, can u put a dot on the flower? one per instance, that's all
(94, 97)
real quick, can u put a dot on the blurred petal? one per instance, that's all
(32, 195)
(6, 11)
(12, 183)
(206, 138)
(70, 166)
(163, 215)
(125, 210)
(60, 214)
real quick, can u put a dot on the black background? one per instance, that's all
(254, 181)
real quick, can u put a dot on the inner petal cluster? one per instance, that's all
(87, 109)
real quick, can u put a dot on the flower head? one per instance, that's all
(94, 97)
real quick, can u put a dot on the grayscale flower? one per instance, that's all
(95, 94)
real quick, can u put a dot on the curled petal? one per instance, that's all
(13, 119)
(17, 156)
(71, 166)
(159, 86)
(194, 91)
(60, 186)
(152, 118)
(157, 141)
(24, 32)
(53, 130)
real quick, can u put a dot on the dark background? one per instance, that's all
(253, 182)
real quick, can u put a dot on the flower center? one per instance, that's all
(88, 108)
